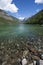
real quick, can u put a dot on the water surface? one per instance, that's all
(22, 33)
(22, 29)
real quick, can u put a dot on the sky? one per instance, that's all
(21, 8)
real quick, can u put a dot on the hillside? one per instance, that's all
(36, 19)
(6, 19)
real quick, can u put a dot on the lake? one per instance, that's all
(21, 32)
(21, 29)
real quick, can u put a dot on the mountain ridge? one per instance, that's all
(36, 19)
(6, 19)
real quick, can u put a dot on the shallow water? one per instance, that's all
(22, 33)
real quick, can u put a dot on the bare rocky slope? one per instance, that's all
(5, 18)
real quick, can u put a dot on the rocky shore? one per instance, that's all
(12, 49)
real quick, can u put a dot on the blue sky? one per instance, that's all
(21, 8)
(27, 8)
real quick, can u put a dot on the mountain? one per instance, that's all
(23, 21)
(35, 19)
(6, 19)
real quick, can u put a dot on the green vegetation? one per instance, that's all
(6, 19)
(36, 19)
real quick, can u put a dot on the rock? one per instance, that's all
(4, 63)
(0, 61)
(24, 61)
(25, 53)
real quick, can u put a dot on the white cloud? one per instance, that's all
(21, 18)
(6, 5)
(38, 1)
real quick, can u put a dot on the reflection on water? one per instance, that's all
(21, 28)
